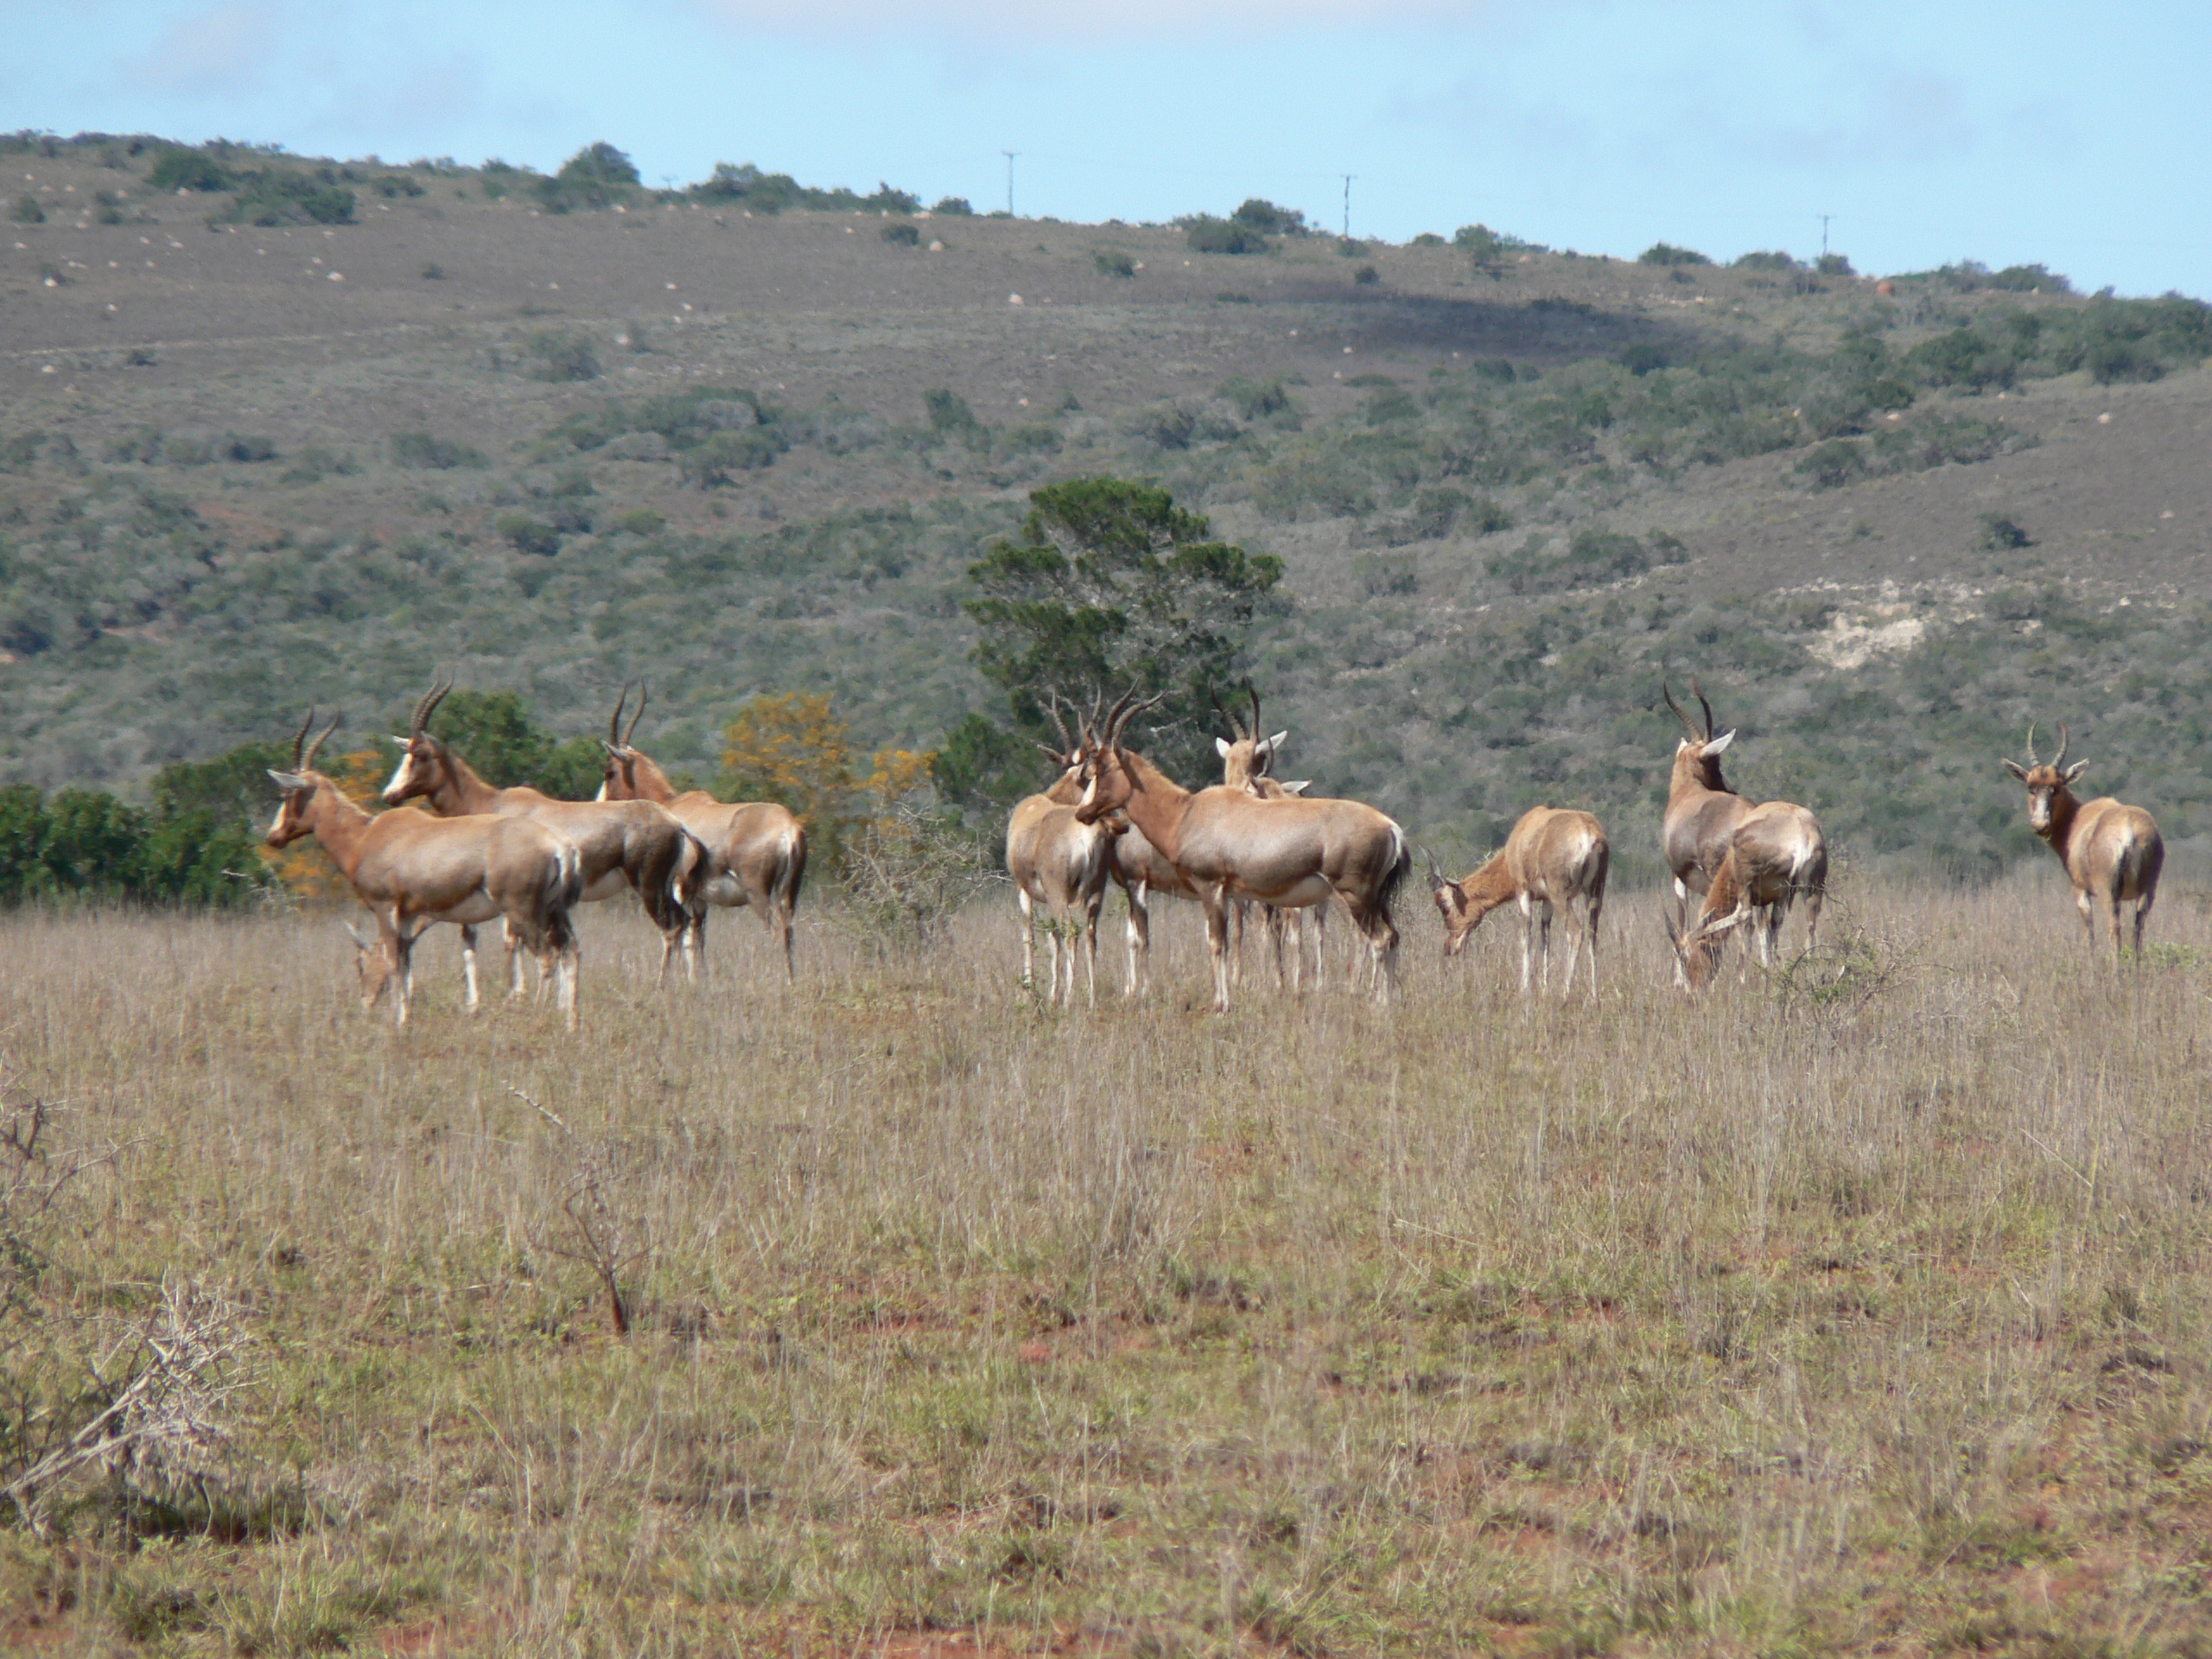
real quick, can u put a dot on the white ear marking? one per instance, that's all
(1713, 749)
(1298, 788)
(1275, 741)
(2076, 770)
(1221, 748)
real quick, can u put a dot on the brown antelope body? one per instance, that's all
(1704, 817)
(2112, 852)
(755, 850)
(624, 844)
(1554, 859)
(1059, 861)
(1247, 763)
(1776, 855)
(1229, 844)
(412, 870)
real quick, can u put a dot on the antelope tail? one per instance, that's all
(690, 860)
(1402, 864)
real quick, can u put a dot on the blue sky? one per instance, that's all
(2075, 136)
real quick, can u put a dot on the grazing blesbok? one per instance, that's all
(1704, 817)
(1554, 859)
(756, 850)
(1060, 862)
(412, 870)
(626, 844)
(1776, 855)
(1229, 844)
(2112, 851)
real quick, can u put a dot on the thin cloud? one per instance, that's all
(222, 51)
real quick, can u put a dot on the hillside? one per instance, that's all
(247, 466)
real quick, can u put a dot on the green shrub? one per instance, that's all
(27, 212)
(561, 354)
(2000, 534)
(1832, 465)
(395, 184)
(904, 236)
(273, 199)
(1206, 234)
(1261, 215)
(1256, 400)
(1776, 260)
(108, 207)
(1666, 253)
(188, 169)
(1593, 558)
(1366, 276)
(598, 176)
(1109, 262)
(1833, 264)
(950, 415)
(953, 207)
(529, 535)
(641, 521)
(425, 451)
(1427, 240)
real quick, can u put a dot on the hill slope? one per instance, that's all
(249, 467)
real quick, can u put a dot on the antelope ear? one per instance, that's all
(2017, 770)
(1298, 788)
(288, 781)
(614, 749)
(1275, 742)
(2076, 770)
(1713, 751)
(1221, 748)
(403, 742)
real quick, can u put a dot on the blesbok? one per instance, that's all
(1229, 844)
(632, 844)
(1775, 855)
(412, 870)
(1247, 763)
(2112, 851)
(756, 850)
(1704, 817)
(1060, 862)
(1554, 858)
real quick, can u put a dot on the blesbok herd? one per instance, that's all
(1111, 817)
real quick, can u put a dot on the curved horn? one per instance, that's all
(2058, 760)
(636, 714)
(1688, 725)
(1120, 722)
(614, 721)
(322, 738)
(1436, 878)
(1699, 692)
(424, 708)
(1053, 707)
(299, 737)
(1235, 726)
(1252, 691)
(2031, 745)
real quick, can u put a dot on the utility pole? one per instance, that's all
(1824, 233)
(1348, 178)
(1009, 155)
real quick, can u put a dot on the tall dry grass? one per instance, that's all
(1864, 1308)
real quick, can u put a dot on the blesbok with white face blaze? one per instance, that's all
(1776, 855)
(2112, 852)
(1229, 844)
(756, 850)
(412, 870)
(1059, 861)
(626, 844)
(1704, 822)
(1555, 858)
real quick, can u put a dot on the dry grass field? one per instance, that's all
(1863, 1309)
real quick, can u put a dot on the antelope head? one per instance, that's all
(1250, 755)
(620, 779)
(298, 783)
(423, 760)
(1069, 755)
(1697, 951)
(1105, 771)
(1452, 900)
(1698, 753)
(372, 961)
(2046, 780)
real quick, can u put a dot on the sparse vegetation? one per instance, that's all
(1666, 253)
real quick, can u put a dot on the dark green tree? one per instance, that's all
(1111, 584)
